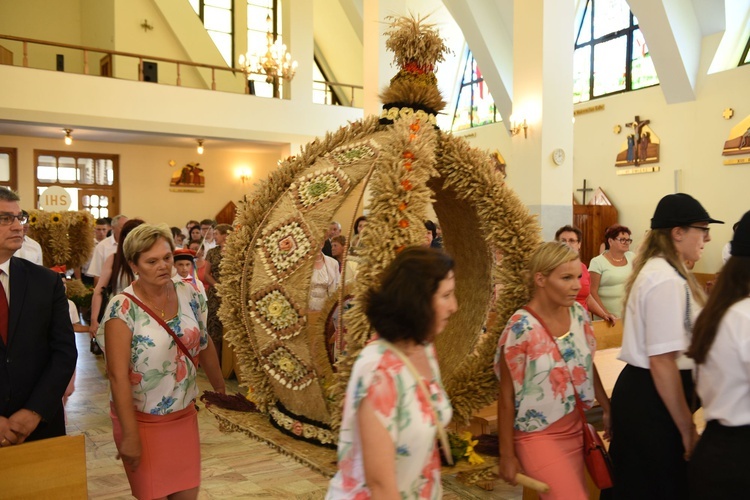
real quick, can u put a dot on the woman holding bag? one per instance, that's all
(544, 359)
(154, 336)
(395, 402)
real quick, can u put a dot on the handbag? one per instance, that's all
(164, 325)
(595, 455)
(444, 443)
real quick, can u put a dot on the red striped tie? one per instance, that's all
(3, 314)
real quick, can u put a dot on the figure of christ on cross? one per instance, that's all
(640, 152)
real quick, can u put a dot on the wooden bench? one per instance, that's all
(50, 468)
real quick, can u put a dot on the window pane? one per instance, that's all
(609, 66)
(103, 201)
(46, 170)
(256, 42)
(4, 167)
(223, 42)
(66, 170)
(94, 200)
(73, 194)
(224, 4)
(217, 19)
(86, 170)
(262, 88)
(195, 4)
(584, 34)
(103, 212)
(642, 71)
(462, 117)
(581, 74)
(86, 201)
(95, 212)
(256, 18)
(104, 173)
(610, 16)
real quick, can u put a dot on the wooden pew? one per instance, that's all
(50, 468)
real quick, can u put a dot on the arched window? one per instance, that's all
(474, 105)
(611, 54)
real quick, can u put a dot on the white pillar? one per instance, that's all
(297, 29)
(543, 96)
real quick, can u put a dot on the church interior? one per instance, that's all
(159, 100)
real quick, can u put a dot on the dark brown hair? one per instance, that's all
(120, 265)
(732, 285)
(401, 308)
(569, 229)
(612, 232)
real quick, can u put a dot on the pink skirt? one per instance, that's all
(170, 456)
(555, 456)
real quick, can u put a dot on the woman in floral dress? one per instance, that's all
(387, 444)
(543, 345)
(152, 382)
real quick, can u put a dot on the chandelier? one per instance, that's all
(276, 62)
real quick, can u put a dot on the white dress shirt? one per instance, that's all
(31, 251)
(104, 249)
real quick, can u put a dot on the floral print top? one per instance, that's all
(161, 376)
(399, 404)
(541, 379)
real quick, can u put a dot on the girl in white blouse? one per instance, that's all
(721, 350)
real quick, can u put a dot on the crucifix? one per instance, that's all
(584, 190)
(639, 152)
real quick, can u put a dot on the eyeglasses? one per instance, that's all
(624, 240)
(7, 219)
(705, 229)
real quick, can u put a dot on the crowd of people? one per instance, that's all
(155, 304)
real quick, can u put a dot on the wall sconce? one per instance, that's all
(515, 127)
(200, 146)
(68, 137)
(245, 174)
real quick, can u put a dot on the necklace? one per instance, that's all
(151, 303)
(616, 260)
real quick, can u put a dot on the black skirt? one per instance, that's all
(720, 465)
(646, 448)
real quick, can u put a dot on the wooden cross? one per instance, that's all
(584, 190)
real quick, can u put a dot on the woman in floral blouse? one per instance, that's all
(540, 429)
(387, 444)
(152, 382)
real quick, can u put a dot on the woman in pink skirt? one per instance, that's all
(152, 374)
(545, 345)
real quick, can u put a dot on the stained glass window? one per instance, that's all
(474, 106)
(611, 54)
(263, 16)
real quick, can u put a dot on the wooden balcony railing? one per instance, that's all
(221, 78)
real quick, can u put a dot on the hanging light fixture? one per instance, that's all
(276, 62)
(200, 146)
(68, 137)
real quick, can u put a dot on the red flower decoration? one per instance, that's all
(406, 185)
(412, 137)
(408, 154)
(403, 223)
(414, 126)
(402, 206)
(407, 166)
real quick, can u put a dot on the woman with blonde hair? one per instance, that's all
(154, 336)
(721, 350)
(544, 362)
(652, 423)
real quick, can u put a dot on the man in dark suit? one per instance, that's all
(37, 344)
(334, 229)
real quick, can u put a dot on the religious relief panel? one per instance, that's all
(640, 147)
(738, 143)
(189, 178)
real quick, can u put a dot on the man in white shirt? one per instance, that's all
(207, 231)
(30, 249)
(106, 247)
(101, 229)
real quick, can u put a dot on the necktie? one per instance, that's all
(3, 314)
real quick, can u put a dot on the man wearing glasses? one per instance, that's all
(37, 343)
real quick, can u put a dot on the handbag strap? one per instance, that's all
(420, 382)
(163, 324)
(579, 403)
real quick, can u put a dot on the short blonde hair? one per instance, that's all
(547, 257)
(143, 237)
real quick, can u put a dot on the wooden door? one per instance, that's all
(593, 220)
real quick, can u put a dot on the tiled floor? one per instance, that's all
(234, 466)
